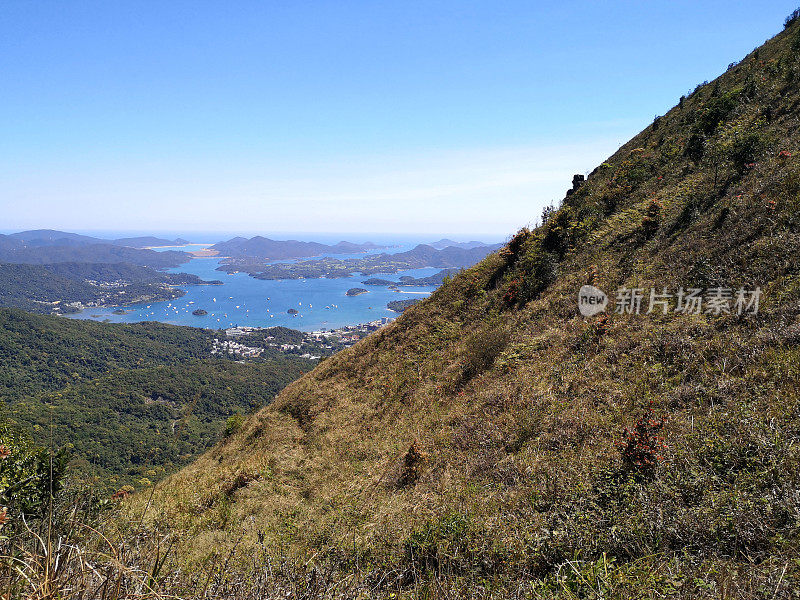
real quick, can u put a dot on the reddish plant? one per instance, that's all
(123, 492)
(642, 447)
(412, 464)
(599, 326)
(511, 294)
(593, 275)
(473, 285)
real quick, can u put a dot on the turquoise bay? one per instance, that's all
(245, 301)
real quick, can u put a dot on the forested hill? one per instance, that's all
(267, 249)
(13, 250)
(40, 353)
(106, 273)
(51, 237)
(60, 288)
(495, 442)
(132, 402)
(54, 272)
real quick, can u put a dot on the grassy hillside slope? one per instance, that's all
(478, 445)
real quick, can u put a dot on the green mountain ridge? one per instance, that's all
(267, 249)
(51, 237)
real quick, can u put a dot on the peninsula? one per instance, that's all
(419, 257)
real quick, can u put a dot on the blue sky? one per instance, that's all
(434, 116)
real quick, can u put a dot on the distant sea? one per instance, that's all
(245, 301)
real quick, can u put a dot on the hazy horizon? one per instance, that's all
(328, 237)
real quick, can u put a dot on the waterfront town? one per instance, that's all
(255, 342)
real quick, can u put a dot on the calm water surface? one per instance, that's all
(243, 300)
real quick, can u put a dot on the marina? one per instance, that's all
(316, 304)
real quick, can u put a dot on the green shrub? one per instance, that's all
(689, 213)
(540, 269)
(234, 424)
(790, 20)
(560, 231)
(695, 147)
(652, 219)
(29, 476)
(745, 150)
(656, 122)
(716, 111)
(438, 541)
(482, 348)
(634, 171)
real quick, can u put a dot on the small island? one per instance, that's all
(292, 311)
(401, 305)
(199, 312)
(356, 291)
(434, 280)
(379, 281)
(120, 311)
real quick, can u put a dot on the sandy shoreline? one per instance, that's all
(204, 253)
(173, 246)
